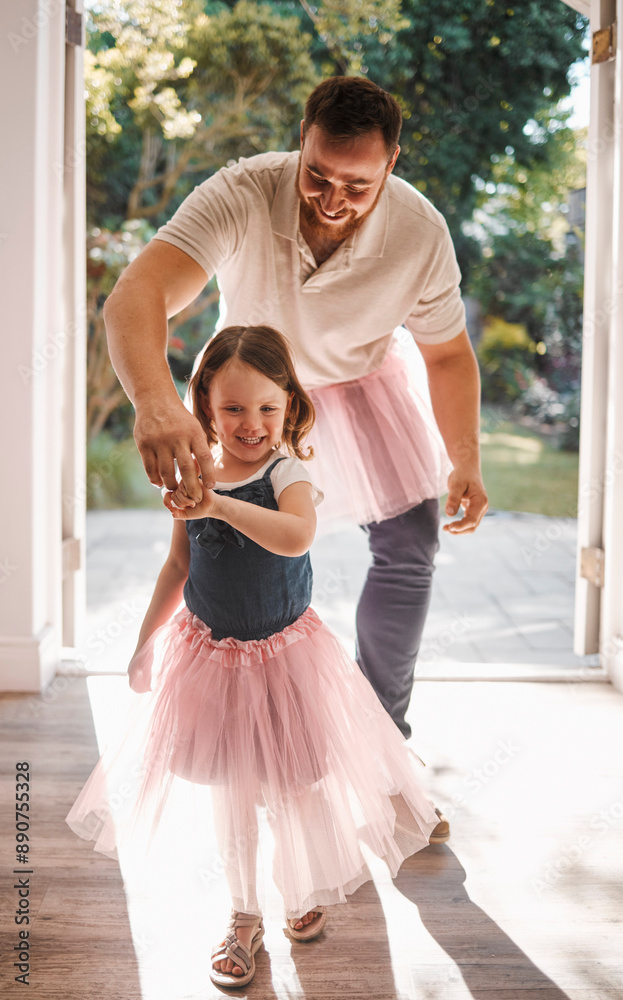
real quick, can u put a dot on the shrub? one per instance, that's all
(540, 401)
(505, 353)
(547, 406)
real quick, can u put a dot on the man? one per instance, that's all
(335, 252)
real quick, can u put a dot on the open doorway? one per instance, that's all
(503, 601)
(526, 615)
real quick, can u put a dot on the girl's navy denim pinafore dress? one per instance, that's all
(235, 586)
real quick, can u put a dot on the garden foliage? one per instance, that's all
(177, 89)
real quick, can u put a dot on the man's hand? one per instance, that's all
(165, 433)
(466, 491)
(454, 383)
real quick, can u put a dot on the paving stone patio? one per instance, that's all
(503, 599)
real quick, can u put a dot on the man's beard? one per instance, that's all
(325, 230)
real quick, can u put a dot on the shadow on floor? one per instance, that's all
(482, 953)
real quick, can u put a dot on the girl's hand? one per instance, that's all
(180, 495)
(176, 502)
(139, 674)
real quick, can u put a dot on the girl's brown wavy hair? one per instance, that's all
(266, 350)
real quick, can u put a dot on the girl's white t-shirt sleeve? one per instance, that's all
(292, 470)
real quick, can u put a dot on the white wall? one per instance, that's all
(595, 349)
(599, 609)
(612, 604)
(74, 349)
(31, 282)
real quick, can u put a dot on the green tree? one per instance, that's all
(190, 90)
(516, 269)
(174, 91)
(476, 80)
(534, 199)
(108, 254)
(530, 272)
(347, 28)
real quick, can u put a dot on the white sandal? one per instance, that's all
(234, 949)
(308, 931)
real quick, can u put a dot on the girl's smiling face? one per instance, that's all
(248, 410)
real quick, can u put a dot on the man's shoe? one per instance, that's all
(441, 833)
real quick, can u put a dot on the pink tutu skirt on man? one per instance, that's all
(377, 449)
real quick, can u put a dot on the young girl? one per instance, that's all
(251, 693)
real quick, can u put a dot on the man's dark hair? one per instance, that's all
(347, 106)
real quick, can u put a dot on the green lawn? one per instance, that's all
(523, 472)
(116, 477)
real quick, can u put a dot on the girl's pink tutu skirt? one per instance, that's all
(377, 449)
(288, 724)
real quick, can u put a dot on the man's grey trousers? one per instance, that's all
(394, 602)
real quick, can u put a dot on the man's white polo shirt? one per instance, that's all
(398, 269)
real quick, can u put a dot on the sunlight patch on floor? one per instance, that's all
(536, 812)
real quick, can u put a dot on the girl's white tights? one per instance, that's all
(237, 836)
(237, 833)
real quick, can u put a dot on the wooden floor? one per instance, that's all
(525, 902)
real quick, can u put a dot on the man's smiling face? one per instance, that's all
(340, 182)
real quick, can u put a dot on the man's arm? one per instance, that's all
(454, 383)
(160, 282)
